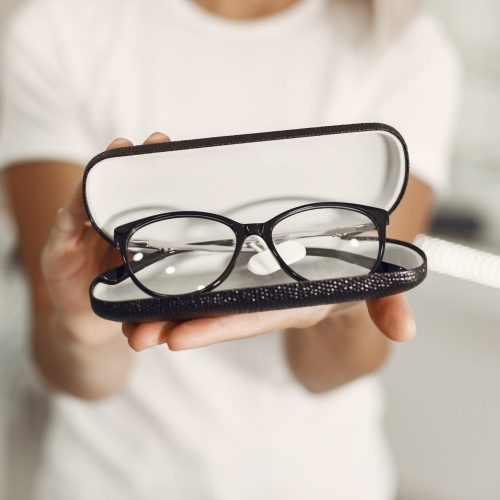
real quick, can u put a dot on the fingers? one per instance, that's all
(119, 143)
(144, 335)
(206, 331)
(194, 333)
(157, 138)
(154, 138)
(393, 317)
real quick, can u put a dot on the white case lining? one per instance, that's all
(249, 182)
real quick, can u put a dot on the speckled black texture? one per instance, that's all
(244, 300)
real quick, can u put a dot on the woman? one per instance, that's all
(294, 414)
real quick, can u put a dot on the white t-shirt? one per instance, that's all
(228, 421)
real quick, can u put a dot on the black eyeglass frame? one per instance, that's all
(124, 233)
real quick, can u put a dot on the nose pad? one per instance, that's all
(264, 262)
(256, 243)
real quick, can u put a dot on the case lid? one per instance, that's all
(250, 177)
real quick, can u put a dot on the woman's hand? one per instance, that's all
(73, 256)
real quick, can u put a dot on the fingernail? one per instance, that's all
(121, 140)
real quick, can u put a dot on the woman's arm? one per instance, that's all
(347, 344)
(73, 349)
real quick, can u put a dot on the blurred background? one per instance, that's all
(443, 387)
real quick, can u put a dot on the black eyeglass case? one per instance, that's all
(251, 178)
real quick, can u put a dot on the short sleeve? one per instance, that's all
(415, 87)
(40, 112)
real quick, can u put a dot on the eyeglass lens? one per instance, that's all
(181, 255)
(336, 243)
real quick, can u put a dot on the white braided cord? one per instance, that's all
(461, 261)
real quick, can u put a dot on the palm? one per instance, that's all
(74, 255)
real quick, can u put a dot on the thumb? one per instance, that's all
(67, 230)
(393, 316)
(70, 219)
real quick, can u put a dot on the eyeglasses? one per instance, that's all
(178, 253)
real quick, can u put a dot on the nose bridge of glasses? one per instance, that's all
(254, 229)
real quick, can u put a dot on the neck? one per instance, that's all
(244, 9)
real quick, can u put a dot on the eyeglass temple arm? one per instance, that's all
(352, 258)
(121, 273)
(344, 233)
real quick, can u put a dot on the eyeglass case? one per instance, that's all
(250, 178)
